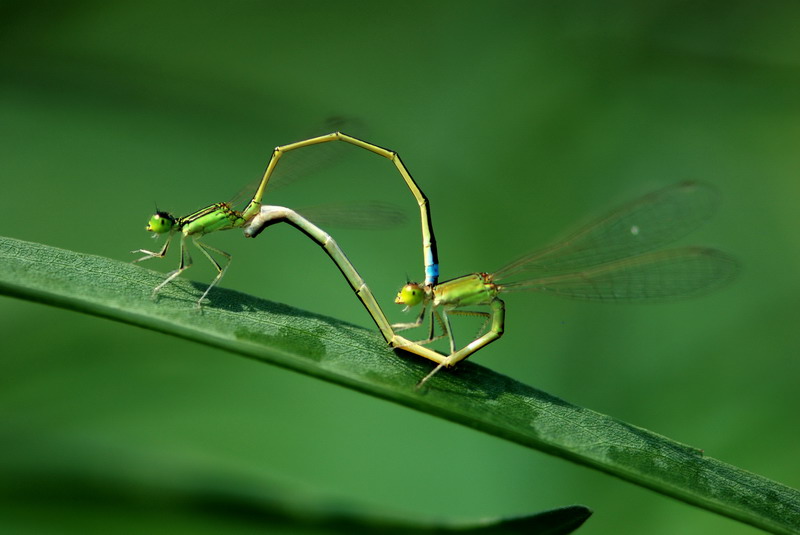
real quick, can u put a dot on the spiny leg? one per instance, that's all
(413, 324)
(496, 331)
(444, 321)
(186, 263)
(447, 329)
(427, 377)
(431, 330)
(485, 315)
(152, 254)
(204, 247)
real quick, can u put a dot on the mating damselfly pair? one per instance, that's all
(617, 258)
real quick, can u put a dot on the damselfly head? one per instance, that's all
(410, 295)
(160, 223)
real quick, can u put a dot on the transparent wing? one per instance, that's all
(364, 215)
(305, 163)
(653, 276)
(643, 225)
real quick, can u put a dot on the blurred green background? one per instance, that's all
(518, 120)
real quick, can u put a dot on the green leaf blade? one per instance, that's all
(341, 353)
